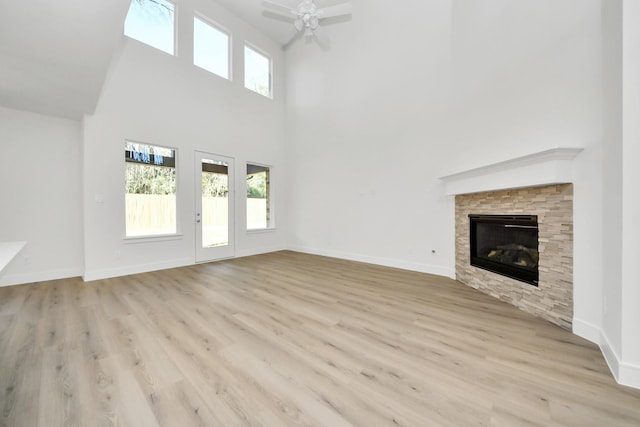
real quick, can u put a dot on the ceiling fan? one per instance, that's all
(307, 16)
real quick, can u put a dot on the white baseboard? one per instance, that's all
(610, 356)
(40, 276)
(587, 331)
(91, 275)
(624, 373)
(386, 262)
(629, 375)
(260, 251)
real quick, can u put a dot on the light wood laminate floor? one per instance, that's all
(288, 339)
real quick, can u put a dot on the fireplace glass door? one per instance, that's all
(506, 244)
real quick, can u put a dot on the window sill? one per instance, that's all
(261, 230)
(150, 239)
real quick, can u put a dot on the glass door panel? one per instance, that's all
(214, 207)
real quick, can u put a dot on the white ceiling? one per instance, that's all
(54, 55)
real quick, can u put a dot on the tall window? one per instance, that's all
(210, 48)
(150, 190)
(257, 72)
(258, 197)
(152, 22)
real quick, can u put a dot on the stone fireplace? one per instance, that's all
(552, 299)
(537, 186)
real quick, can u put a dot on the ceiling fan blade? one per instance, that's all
(321, 38)
(295, 37)
(337, 10)
(278, 16)
(279, 8)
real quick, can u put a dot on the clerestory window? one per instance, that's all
(211, 47)
(257, 72)
(152, 22)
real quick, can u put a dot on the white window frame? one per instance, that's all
(159, 236)
(270, 200)
(263, 53)
(208, 21)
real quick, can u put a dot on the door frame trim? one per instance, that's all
(231, 253)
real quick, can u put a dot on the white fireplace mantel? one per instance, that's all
(547, 167)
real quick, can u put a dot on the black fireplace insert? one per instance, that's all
(506, 244)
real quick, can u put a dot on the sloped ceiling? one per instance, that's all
(54, 55)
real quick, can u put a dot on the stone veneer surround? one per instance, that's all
(553, 298)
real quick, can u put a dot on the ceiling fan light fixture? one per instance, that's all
(307, 15)
(307, 6)
(314, 22)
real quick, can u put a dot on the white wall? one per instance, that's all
(619, 332)
(612, 181)
(40, 195)
(365, 138)
(408, 94)
(160, 99)
(630, 292)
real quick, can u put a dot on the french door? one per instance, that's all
(214, 207)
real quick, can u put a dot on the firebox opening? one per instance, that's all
(506, 244)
